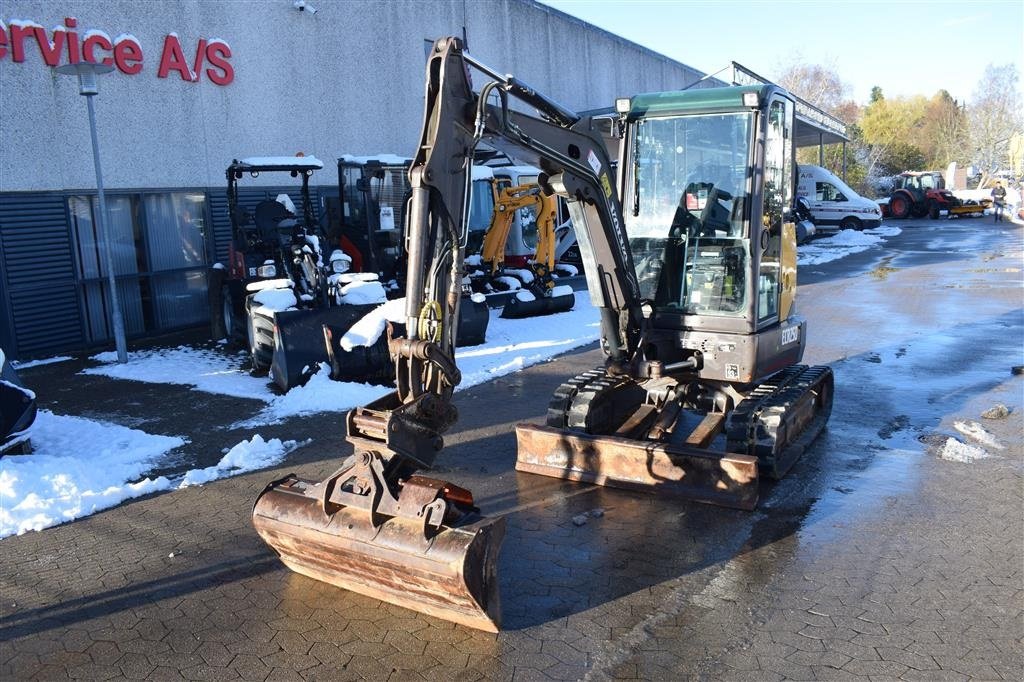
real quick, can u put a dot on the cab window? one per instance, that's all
(826, 191)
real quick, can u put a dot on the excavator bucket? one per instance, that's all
(449, 574)
(520, 306)
(725, 479)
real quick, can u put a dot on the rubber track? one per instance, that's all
(562, 400)
(754, 425)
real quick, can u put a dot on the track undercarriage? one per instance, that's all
(661, 434)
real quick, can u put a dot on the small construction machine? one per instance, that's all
(281, 289)
(372, 195)
(694, 285)
(924, 193)
(537, 291)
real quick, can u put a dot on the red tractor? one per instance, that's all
(924, 193)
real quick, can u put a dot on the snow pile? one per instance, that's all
(842, 244)
(515, 344)
(561, 290)
(204, 370)
(511, 346)
(510, 282)
(565, 270)
(36, 363)
(79, 466)
(977, 433)
(525, 296)
(260, 285)
(955, 451)
(249, 455)
(523, 275)
(368, 329)
(319, 394)
(275, 300)
(362, 292)
(1012, 195)
(284, 162)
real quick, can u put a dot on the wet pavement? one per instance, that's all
(874, 559)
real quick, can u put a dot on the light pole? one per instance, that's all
(87, 87)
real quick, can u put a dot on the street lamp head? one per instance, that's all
(86, 72)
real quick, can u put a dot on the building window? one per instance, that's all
(159, 250)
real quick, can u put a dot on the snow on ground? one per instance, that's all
(977, 432)
(36, 363)
(319, 394)
(205, 370)
(81, 466)
(511, 345)
(955, 451)
(249, 455)
(842, 244)
(515, 344)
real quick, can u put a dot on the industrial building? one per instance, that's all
(197, 83)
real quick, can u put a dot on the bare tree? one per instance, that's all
(819, 85)
(993, 118)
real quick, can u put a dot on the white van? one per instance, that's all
(833, 203)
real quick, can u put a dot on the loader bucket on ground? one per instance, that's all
(517, 308)
(473, 320)
(725, 479)
(299, 345)
(452, 576)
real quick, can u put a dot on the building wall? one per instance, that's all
(348, 79)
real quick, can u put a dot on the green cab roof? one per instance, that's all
(704, 100)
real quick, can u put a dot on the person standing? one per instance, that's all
(998, 201)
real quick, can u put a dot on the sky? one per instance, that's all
(907, 48)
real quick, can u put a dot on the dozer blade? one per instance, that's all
(543, 305)
(720, 478)
(452, 576)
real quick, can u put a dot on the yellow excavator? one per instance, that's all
(540, 293)
(694, 285)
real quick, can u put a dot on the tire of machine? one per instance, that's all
(261, 343)
(234, 332)
(214, 298)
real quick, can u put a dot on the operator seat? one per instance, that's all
(269, 217)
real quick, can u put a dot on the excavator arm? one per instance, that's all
(506, 202)
(564, 145)
(374, 526)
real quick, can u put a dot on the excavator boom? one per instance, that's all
(374, 526)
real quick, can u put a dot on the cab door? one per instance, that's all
(776, 282)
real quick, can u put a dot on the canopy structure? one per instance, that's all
(812, 125)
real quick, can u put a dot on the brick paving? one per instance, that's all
(865, 563)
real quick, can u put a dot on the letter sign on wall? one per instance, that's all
(123, 52)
